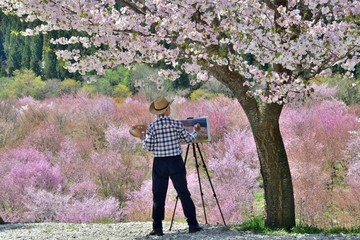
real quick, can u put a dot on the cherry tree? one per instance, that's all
(265, 51)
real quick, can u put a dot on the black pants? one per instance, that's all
(173, 167)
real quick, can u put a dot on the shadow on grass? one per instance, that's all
(15, 225)
(216, 232)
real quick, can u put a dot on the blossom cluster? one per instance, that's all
(304, 38)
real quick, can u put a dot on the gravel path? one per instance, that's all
(135, 230)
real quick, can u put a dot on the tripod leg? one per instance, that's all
(177, 196)
(173, 215)
(201, 192)
(212, 187)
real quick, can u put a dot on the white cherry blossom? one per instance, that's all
(305, 38)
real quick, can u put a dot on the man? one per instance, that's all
(162, 138)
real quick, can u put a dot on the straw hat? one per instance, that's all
(160, 105)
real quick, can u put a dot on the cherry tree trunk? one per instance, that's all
(2, 221)
(274, 166)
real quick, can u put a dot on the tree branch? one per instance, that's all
(326, 64)
(132, 6)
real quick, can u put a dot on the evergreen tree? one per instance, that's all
(36, 54)
(26, 53)
(11, 43)
(14, 53)
(2, 50)
(48, 59)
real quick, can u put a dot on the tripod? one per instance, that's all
(195, 146)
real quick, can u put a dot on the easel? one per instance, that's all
(195, 146)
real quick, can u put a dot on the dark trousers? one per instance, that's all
(174, 168)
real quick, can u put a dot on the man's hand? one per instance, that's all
(138, 131)
(197, 127)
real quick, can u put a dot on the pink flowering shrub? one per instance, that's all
(133, 111)
(350, 197)
(26, 101)
(139, 203)
(9, 116)
(83, 190)
(60, 158)
(42, 205)
(72, 159)
(82, 106)
(316, 136)
(89, 210)
(116, 174)
(38, 174)
(34, 190)
(119, 139)
(235, 172)
(25, 168)
(322, 92)
(46, 138)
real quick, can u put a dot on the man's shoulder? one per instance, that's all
(169, 121)
(175, 121)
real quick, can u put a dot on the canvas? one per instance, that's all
(204, 134)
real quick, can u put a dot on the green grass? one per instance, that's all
(104, 221)
(313, 230)
(259, 203)
(256, 224)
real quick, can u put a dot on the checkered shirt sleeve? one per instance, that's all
(163, 137)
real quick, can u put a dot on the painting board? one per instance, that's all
(204, 134)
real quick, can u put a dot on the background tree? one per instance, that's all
(36, 54)
(2, 51)
(24, 83)
(48, 59)
(30, 52)
(289, 43)
(14, 60)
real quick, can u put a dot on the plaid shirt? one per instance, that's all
(163, 137)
